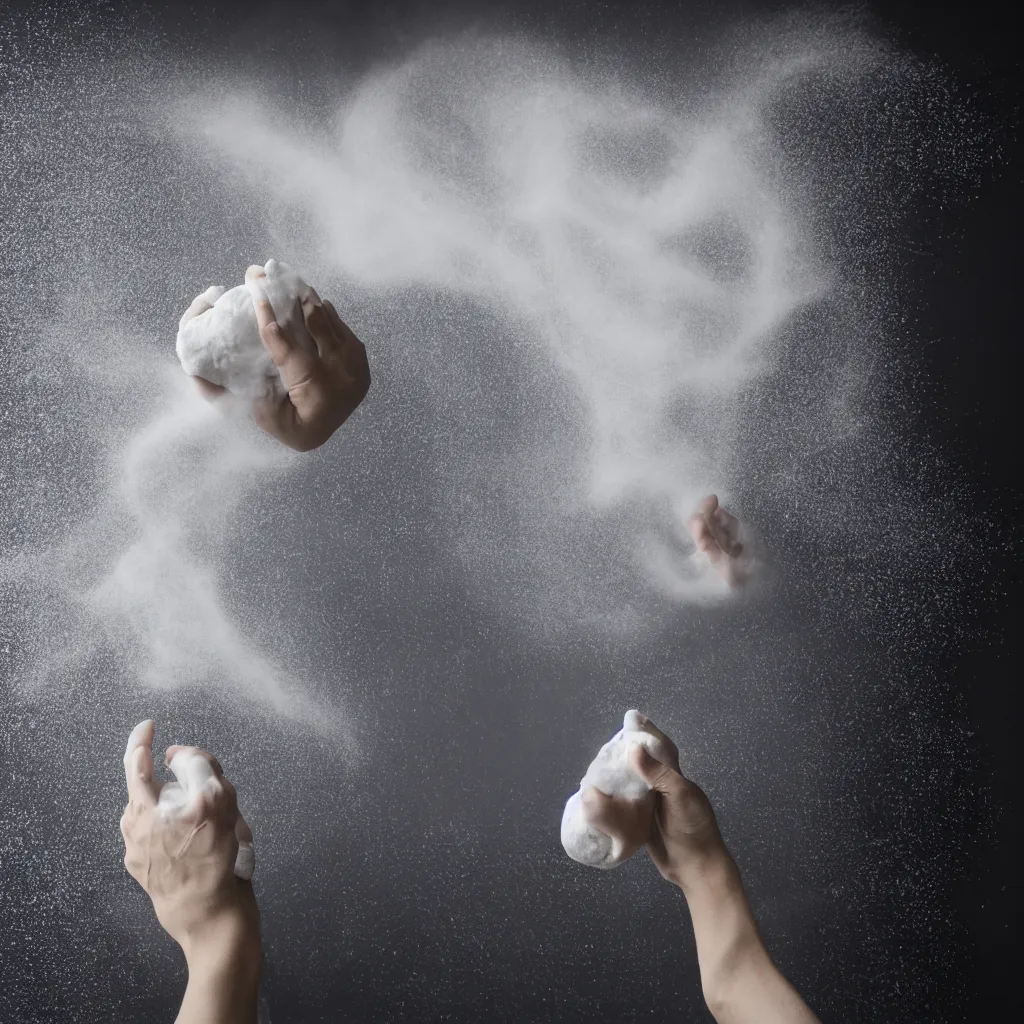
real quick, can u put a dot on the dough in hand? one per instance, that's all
(223, 345)
(193, 773)
(611, 773)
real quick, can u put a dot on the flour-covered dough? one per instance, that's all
(222, 345)
(193, 773)
(610, 773)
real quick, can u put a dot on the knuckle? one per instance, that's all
(230, 796)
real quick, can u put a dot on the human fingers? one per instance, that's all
(616, 817)
(330, 332)
(346, 333)
(200, 792)
(707, 506)
(200, 304)
(727, 520)
(725, 529)
(143, 790)
(179, 748)
(598, 809)
(298, 326)
(355, 351)
(660, 777)
(319, 323)
(295, 361)
(664, 743)
(197, 773)
(704, 537)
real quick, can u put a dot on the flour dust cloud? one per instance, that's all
(581, 293)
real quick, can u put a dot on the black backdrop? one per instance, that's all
(410, 890)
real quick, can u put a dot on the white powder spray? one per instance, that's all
(641, 253)
(146, 576)
(576, 288)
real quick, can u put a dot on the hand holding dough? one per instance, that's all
(280, 347)
(219, 335)
(195, 776)
(199, 788)
(612, 788)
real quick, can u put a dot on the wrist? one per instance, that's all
(709, 871)
(224, 959)
(226, 941)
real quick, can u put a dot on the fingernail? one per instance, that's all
(133, 737)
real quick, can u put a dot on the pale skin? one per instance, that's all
(185, 863)
(323, 367)
(717, 534)
(740, 982)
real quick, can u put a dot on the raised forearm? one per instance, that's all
(223, 978)
(741, 984)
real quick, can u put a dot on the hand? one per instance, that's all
(181, 842)
(627, 823)
(678, 827)
(740, 982)
(323, 366)
(717, 536)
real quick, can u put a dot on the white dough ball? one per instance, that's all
(610, 773)
(223, 345)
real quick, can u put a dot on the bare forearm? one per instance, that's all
(741, 984)
(223, 979)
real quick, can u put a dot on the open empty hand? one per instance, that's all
(718, 536)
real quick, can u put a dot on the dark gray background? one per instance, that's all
(854, 726)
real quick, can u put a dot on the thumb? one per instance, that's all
(660, 777)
